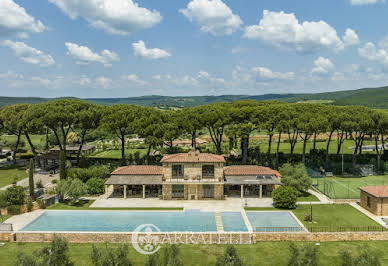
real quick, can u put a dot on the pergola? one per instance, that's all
(126, 181)
(47, 157)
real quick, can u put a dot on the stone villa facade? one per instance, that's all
(192, 176)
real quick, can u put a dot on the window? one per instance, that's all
(208, 171)
(368, 202)
(178, 191)
(177, 171)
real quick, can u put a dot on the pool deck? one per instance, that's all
(228, 205)
(20, 221)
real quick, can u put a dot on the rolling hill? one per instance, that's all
(371, 97)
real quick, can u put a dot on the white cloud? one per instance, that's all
(140, 49)
(266, 74)
(84, 55)
(214, 16)
(350, 38)
(323, 66)
(365, 2)
(121, 17)
(370, 52)
(29, 54)
(15, 20)
(206, 77)
(10, 74)
(284, 31)
(103, 82)
(161, 77)
(134, 79)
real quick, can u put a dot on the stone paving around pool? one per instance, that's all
(230, 204)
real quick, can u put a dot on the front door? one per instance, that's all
(207, 191)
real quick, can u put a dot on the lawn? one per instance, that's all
(116, 154)
(347, 187)
(10, 173)
(263, 253)
(307, 197)
(333, 215)
(85, 205)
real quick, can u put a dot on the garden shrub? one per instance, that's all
(95, 186)
(29, 205)
(107, 255)
(84, 174)
(295, 176)
(285, 197)
(41, 204)
(15, 195)
(27, 155)
(3, 199)
(54, 181)
(13, 209)
(39, 184)
(230, 257)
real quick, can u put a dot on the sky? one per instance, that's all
(126, 48)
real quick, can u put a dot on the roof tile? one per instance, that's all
(377, 191)
(139, 170)
(249, 170)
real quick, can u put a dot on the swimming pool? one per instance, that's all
(273, 221)
(122, 221)
(233, 222)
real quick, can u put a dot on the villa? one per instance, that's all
(192, 176)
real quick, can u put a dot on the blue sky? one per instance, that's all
(124, 48)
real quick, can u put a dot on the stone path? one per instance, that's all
(45, 178)
(219, 223)
(323, 199)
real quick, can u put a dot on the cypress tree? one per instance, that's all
(31, 179)
(62, 166)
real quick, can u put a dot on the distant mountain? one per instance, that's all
(371, 97)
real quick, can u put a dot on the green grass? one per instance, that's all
(307, 197)
(37, 140)
(333, 215)
(347, 187)
(85, 205)
(263, 253)
(10, 173)
(285, 147)
(116, 154)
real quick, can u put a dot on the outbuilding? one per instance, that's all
(375, 199)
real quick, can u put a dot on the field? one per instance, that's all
(333, 215)
(10, 173)
(347, 188)
(116, 154)
(257, 254)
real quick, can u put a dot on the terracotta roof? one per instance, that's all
(377, 191)
(139, 170)
(249, 170)
(193, 157)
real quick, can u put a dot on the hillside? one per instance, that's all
(371, 97)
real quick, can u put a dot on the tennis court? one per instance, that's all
(346, 187)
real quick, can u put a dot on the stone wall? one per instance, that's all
(378, 206)
(193, 170)
(201, 238)
(23, 208)
(167, 191)
(6, 236)
(219, 192)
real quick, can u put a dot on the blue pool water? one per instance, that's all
(123, 221)
(233, 222)
(273, 221)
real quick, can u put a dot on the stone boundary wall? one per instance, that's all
(7, 236)
(198, 238)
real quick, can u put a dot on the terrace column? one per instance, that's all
(125, 191)
(261, 191)
(242, 191)
(143, 191)
(106, 192)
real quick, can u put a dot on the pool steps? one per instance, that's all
(219, 223)
(246, 220)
